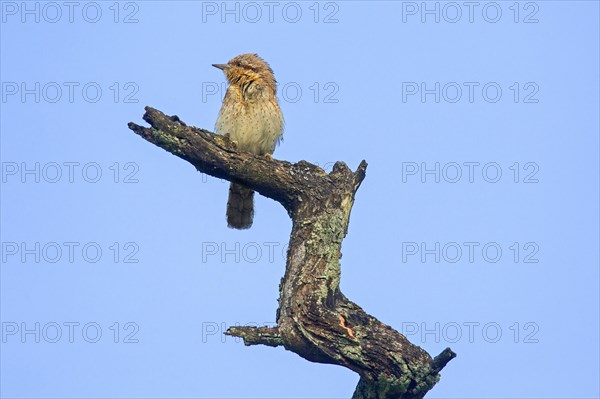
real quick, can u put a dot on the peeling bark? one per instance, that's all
(314, 319)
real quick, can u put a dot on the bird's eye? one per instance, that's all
(239, 63)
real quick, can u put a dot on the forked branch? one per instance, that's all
(314, 319)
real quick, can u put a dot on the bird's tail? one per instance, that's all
(240, 207)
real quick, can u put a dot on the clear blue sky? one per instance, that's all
(476, 227)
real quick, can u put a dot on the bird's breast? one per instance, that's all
(255, 126)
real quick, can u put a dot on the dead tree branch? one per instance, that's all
(314, 319)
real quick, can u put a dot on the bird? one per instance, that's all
(250, 116)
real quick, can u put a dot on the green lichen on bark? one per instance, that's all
(383, 388)
(168, 141)
(325, 242)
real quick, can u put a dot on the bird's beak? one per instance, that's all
(221, 66)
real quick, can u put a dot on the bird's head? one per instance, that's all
(248, 68)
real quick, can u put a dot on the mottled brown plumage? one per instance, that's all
(251, 117)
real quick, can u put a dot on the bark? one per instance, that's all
(314, 319)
